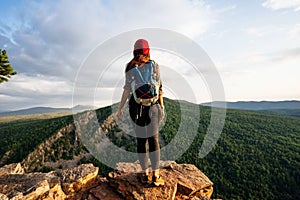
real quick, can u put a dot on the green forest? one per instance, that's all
(19, 138)
(256, 157)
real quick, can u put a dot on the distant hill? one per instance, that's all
(292, 112)
(45, 110)
(2, 111)
(34, 110)
(260, 105)
(82, 108)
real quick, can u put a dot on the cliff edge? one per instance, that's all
(183, 181)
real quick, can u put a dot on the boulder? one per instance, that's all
(24, 186)
(74, 179)
(14, 168)
(182, 181)
(53, 185)
(98, 189)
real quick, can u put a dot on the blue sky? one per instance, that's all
(255, 45)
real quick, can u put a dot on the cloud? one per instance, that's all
(288, 55)
(225, 9)
(282, 4)
(267, 75)
(53, 37)
(258, 31)
(48, 40)
(29, 91)
(294, 33)
(283, 56)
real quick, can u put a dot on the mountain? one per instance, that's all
(82, 108)
(2, 111)
(259, 105)
(256, 156)
(34, 110)
(45, 110)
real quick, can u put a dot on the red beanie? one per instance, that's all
(141, 46)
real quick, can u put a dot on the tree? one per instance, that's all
(6, 70)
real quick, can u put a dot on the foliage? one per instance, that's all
(6, 70)
(66, 147)
(19, 138)
(256, 157)
(46, 169)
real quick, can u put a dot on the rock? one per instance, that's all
(103, 191)
(49, 186)
(74, 179)
(99, 189)
(24, 186)
(3, 197)
(182, 181)
(14, 168)
(55, 193)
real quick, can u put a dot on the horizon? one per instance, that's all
(263, 101)
(49, 46)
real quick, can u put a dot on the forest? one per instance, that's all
(256, 157)
(20, 137)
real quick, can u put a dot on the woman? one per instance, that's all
(146, 113)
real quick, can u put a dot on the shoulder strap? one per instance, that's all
(139, 73)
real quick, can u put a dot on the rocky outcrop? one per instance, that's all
(53, 185)
(75, 179)
(14, 168)
(108, 124)
(183, 181)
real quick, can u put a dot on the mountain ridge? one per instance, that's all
(45, 110)
(257, 105)
(243, 105)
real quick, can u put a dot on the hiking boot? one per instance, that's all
(158, 181)
(144, 179)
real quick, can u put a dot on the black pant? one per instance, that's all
(146, 120)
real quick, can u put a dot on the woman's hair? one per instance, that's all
(137, 60)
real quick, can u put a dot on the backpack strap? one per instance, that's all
(139, 73)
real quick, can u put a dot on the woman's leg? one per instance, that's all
(154, 149)
(142, 152)
(141, 134)
(139, 121)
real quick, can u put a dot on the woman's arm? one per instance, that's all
(160, 95)
(124, 97)
(161, 103)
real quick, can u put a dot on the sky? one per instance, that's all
(254, 46)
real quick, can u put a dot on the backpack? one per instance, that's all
(145, 83)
